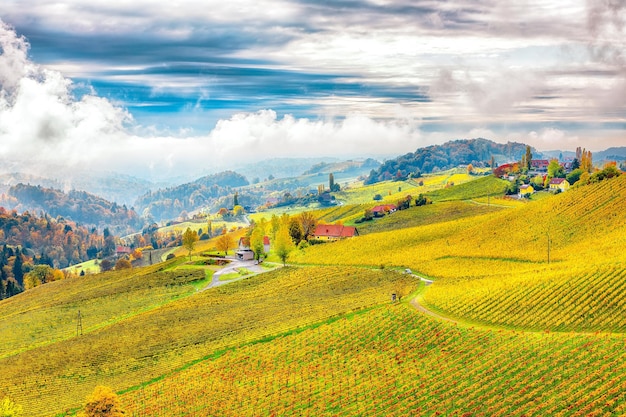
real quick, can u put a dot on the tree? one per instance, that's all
(18, 271)
(283, 244)
(295, 230)
(40, 274)
(308, 223)
(190, 237)
(368, 215)
(106, 265)
(103, 402)
(9, 409)
(224, 243)
(586, 161)
(555, 170)
(238, 211)
(422, 200)
(528, 157)
(492, 162)
(123, 263)
(470, 169)
(574, 176)
(236, 200)
(331, 181)
(256, 241)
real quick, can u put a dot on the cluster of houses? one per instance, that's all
(555, 185)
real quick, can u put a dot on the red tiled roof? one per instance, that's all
(266, 240)
(335, 230)
(122, 249)
(557, 181)
(386, 207)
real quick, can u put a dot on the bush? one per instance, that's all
(170, 256)
(205, 236)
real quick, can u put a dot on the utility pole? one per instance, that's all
(548, 246)
(79, 325)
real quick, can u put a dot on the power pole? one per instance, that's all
(548, 247)
(79, 325)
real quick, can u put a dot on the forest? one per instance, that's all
(170, 202)
(477, 152)
(79, 206)
(29, 240)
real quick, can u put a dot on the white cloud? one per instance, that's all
(42, 123)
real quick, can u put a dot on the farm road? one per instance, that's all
(234, 265)
(419, 307)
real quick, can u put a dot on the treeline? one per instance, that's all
(78, 206)
(477, 152)
(170, 202)
(28, 241)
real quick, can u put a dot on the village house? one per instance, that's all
(122, 250)
(334, 232)
(380, 211)
(539, 164)
(244, 251)
(559, 184)
(526, 189)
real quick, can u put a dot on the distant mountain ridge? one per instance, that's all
(350, 166)
(451, 154)
(169, 203)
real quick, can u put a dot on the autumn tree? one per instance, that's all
(256, 241)
(41, 274)
(224, 243)
(106, 265)
(103, 402)
(308, 223)
(190, 237)
(470, 169)
(283, 244)
(586, 161)
(123, 263)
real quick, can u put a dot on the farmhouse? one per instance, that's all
(380, 211)
(122, 250)
(559, 184)
(334, 232)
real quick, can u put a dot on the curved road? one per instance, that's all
(233, 266)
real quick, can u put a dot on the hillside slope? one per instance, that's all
(499, 261)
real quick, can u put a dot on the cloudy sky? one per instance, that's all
(156, 88)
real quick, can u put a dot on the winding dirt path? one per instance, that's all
(419, 307)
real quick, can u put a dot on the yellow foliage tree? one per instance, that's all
(190, 237)
(103, 402)
(224, 243)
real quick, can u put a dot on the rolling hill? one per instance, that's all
(505, 329)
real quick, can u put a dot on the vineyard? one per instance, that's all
(142, 347)
(392, 361)
(537, 291)
(586, 299)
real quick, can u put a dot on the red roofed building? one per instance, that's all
(380, 211)
(334, 232)
(123, 250)
(539, 164)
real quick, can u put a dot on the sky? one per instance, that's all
(156, 89)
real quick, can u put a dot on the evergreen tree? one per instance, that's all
(18, 272)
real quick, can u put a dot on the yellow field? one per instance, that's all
(133, 350)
